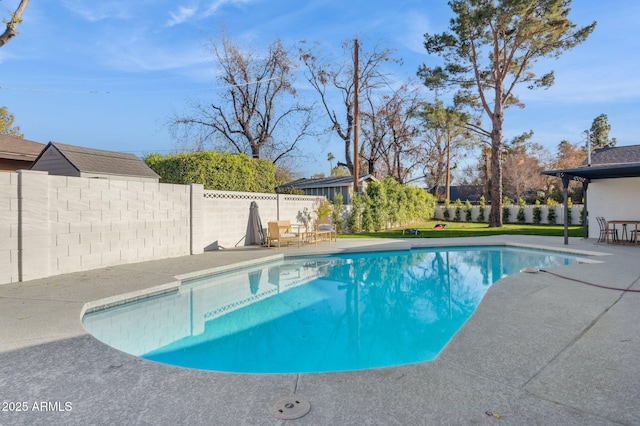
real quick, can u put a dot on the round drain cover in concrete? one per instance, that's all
(290, 407)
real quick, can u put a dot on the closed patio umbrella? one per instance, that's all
(255, 234)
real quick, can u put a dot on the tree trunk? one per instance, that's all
(255, 151)
(347, 155)
(447, 188)
(495, 216)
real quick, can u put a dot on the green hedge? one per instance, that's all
(387, 203)
(215, 170)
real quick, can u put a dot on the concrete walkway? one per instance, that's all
(539, 349)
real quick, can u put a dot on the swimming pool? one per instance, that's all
(316, 314)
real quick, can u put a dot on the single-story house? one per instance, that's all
(18, 153)
(69, 160)
(329, 186)
(611, 182)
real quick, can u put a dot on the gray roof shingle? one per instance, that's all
(13, 148)
(615, 155)
(91, 160)
(327, 182)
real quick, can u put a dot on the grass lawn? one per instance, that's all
(471, 229)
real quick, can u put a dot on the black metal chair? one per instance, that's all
(604, 230)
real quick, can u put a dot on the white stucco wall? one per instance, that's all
(613, 199)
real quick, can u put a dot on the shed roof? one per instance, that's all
(13, 148)
(89, 160)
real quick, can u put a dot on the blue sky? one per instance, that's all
(108, 74)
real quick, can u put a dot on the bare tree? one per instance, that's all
(257, 113)
(329, 78)
(12, 24)
(389, 129)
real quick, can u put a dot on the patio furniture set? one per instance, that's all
(609, 231)
(283, 231)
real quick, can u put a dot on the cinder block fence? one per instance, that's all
(52, 225)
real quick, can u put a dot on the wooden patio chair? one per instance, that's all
(324, 228)
(280, 231)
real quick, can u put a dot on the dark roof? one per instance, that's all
(462, 192)
(614, 155)
(13, 148)
(599, 172)
(89, 160)
(606, 163)
(333, 181)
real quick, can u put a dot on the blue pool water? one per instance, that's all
(335, 313)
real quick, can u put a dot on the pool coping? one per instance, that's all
(538, 350)
(121, 299)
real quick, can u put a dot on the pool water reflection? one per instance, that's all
(335, 313)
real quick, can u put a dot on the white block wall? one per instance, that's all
(226, 214)
(292, 205)
(52, 225)
(9, 228)
(98, 222)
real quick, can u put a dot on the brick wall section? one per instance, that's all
(9, 228)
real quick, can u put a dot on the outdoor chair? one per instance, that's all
(280, 231)
(324, 228)
(604, 230)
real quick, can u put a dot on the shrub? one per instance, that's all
(214, 170)
(521, 218)
(377, 207)
(446, 213)
(354, 222)
(336, 213)
(537, 213)
(481, 209)
(551, 214)
(468, 211)
(367, 215)
(458, 211)
(323, 210)
(506, 209)
(388, 203)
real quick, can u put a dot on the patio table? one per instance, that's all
(624, 236)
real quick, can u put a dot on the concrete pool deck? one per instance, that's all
(539, 349)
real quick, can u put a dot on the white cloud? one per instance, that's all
(217, 4)
(182, 15)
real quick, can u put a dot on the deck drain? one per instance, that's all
(290, 407)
